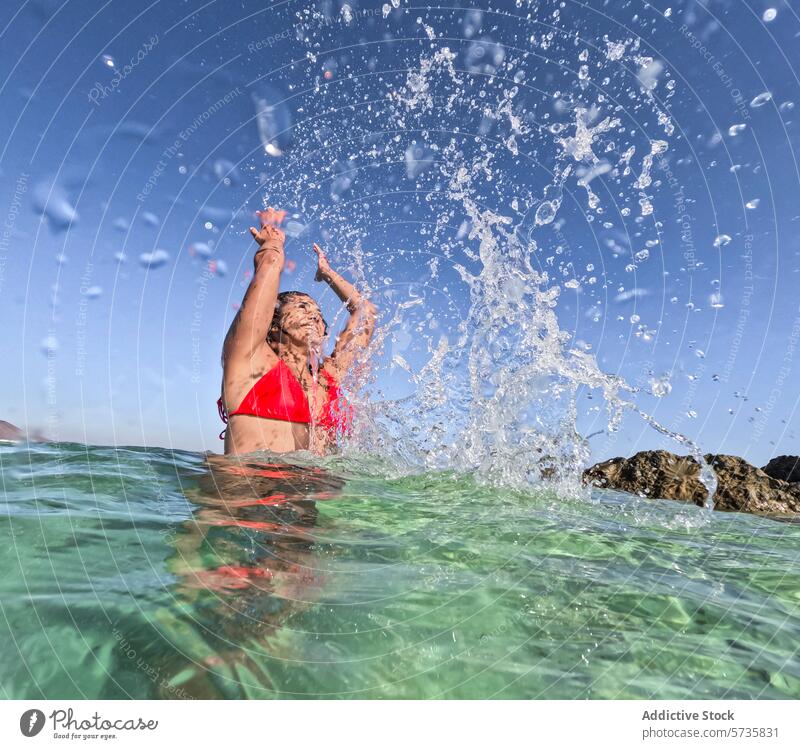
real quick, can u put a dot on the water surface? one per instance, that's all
(146, 573)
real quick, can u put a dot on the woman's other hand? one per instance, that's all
(323, 266)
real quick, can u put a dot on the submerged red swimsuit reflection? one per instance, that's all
(278, 395)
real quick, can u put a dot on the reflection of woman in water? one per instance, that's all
(245, 565)
(278, 393)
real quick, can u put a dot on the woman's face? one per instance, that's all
(302, 320)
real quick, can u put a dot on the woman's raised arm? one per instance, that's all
(248, 331)
(361, 323)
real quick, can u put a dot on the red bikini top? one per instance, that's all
(278, 395)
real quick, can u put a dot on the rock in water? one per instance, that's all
(663, 475)
(745, 488)
(651, 473)
(784, 467)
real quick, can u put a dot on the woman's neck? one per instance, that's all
(298, 358)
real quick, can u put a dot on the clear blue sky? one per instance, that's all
(140, 132)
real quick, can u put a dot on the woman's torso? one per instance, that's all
(250, 433)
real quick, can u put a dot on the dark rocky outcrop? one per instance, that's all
(663, 475)
(784, 467)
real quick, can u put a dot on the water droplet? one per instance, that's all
(761, 99)
(226, 172)
(49, 344)
(50, 199)
(626, 296)
(769, 15)
(200, 249)
(418, 160)
(218, 267)
(734, 130)
(716, 301)
(473, 20)
(751, 205)
(274, 121)
(721, 240)
(546, 212)
(660, 386)
(293, 228)
(615, 50)
(154, 259)
(649, 73)
(484, 56)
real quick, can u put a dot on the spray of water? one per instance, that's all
(497, 396)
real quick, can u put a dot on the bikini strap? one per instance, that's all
(331, 379)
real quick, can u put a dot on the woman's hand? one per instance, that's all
(324, 269)
(270, 243)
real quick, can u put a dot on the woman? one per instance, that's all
(278, 393)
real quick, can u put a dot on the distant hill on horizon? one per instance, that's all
(10, 432)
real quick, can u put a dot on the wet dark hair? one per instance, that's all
(276, 327)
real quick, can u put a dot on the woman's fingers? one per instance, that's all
(320, 253)
(266, 234)
(271, 217)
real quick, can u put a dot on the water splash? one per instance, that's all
(497, 393)
(501, 400)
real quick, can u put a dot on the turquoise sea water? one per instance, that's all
(155, 573)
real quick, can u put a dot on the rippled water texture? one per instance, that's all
(153, 573)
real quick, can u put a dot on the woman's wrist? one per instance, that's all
(270, 255)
